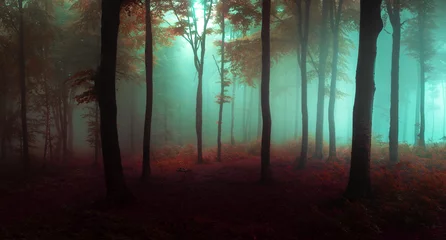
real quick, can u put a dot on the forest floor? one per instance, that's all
(224, 201)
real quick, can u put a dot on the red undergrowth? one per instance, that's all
(225, 201)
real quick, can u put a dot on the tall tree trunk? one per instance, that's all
(371, 24)
(335, 22)
(393, 9)
(23, 90)
(323, 46)
(422, 62)
(244, 121)
(304, 27)
(132, 119)
(417, 111)
(443, 96)
(222, 84)
(199, 99)
(149, 94)
(264, 98)
(97, 140)
(105, 87)
(406, 116)
(259, 118)
(232, 112)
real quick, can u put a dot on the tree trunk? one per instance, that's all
(444, 107)
(371, 25)
(96, 133)
(259, 118)
(232, 113)
(132, 119)
(23, 90)
(422, 62)
(323, 47)
(393, 10)
(222, 85)
(304, 27)
(244, 121)
(417, 112)
(264, 98)
(105, 87)
(146, 171)
(335, 22)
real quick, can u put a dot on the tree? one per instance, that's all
(264, 89)
(394, 12)
(371, 24)
(186, 26)
(222, 98)
(105, 87)
(149, 93)
(323, 54)
(419, 43)
(303, 34)
(23, 89)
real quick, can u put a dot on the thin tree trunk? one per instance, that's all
(259, 118)
(132, 119)
(304, 27)
(23, 90)
(421, 25)
(146, 171)
(323, 46)
(443, 95)
(222, 84)
(245, 93)
(232, 113)
(393, 10)
(336, 19)
(371, 24)
(265, 85)
(105, 87)
(417, 111)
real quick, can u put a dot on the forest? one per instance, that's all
(222, 119)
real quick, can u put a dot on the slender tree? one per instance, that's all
(394, 12)
(371, 24)
(265, 85)
(23, 90)
(105, 87)
(303, 33)
(335, 15)
(149, 93)
(323, 54)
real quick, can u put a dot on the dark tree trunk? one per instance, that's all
(222, 85)
(323, 46)
(259, 118)
(304, 27)
(105, 87)
(22, 72)
(335, 22)
(443, 97)
(417, 113)
(371, 24)
(422, 62)
(232, 113)
(244, 121)
(132, 119)
(393, 9)
(199, 64)
(264, 98)
(146, 171)
(97, 137)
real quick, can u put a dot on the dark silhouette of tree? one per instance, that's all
(303, 33)
(264, 90)
(323, 54)
(394, 12)
(105, 87)
(371, 24)
(149, 93)
(23, 89)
